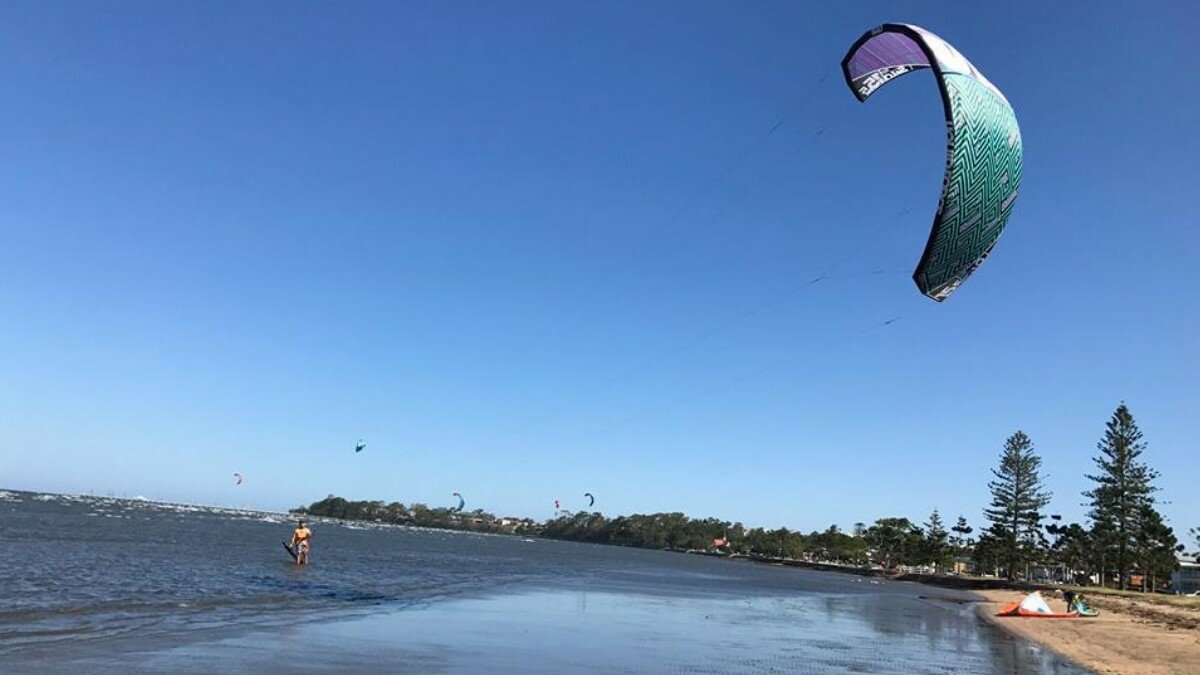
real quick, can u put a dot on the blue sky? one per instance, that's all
(528, 250)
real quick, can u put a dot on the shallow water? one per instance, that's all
(102, 585)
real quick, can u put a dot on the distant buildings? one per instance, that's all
(516, 524)
(1186, 579)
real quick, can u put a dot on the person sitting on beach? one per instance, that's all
(300, 541)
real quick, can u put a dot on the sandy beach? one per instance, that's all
(1131, 636)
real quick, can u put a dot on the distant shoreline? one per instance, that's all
(146, 500)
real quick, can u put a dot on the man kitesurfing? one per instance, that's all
(298, 547)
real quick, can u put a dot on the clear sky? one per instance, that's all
(531, 250)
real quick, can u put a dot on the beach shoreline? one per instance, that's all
(580, 630)
(1130, 636)
(1135, 634)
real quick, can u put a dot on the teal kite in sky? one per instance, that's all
(983, 160)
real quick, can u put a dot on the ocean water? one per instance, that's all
(92, 584)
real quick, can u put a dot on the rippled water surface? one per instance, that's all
(102, 585)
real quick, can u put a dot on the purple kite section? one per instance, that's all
(885, 50)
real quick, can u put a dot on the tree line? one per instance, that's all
(416, 515)
(1124, 543)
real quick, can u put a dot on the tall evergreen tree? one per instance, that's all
(962, 532)
(962, 538)
(1059, 531)
(937, 542)
(1018, 498)
(1123, 491)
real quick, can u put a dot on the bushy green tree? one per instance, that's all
(833, 545)
(1074, 550)
(894, 542)
(1156, 548)
(987, 554)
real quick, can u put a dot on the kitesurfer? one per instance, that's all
(300, 541)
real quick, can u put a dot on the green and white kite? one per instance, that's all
(983, 160)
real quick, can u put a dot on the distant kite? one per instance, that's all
(461, 502)
(359, 446)
(591, 499)
(983, 162)
(239, 477)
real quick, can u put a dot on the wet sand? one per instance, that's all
(1130, 637)
(566, 632)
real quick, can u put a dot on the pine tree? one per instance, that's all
(1059, 531)
(1123, 491)
(937, 542)
(963, 531)
(962, 538)
(1018, 498)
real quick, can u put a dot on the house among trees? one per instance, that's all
(1186, 579)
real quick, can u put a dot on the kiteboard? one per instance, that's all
(291, 551)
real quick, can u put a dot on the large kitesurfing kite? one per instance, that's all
(983, 162)
(591, 499)
(461, 502)
(239, 478)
